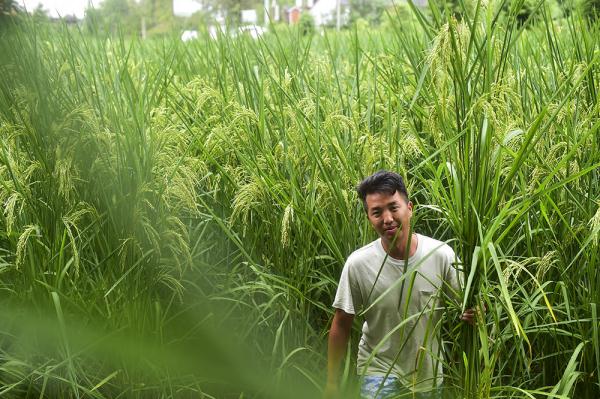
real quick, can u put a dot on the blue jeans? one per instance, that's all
(375, 387)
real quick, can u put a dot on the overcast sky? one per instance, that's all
(77, 7)
(60, 7)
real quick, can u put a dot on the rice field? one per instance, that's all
(175, 216)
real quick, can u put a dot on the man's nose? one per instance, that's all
(387, 218)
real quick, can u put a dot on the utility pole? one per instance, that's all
(338, 14)
(267, 6)
(142, 5)
(276, 12)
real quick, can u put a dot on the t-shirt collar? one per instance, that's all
(411, 260)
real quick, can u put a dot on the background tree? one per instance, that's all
(112, 16)
(399, 14)
(591, 8)
(452, 6)
(8, 8)
(306, 24)
(40, 14)
(233, 8)
(533, 10)
(370, 10)
(160, 16)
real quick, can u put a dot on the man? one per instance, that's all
(398, 284)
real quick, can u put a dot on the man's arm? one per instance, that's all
(339, 334)
(453, 286)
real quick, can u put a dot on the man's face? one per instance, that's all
(388, 213)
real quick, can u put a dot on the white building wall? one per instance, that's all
(324, 11)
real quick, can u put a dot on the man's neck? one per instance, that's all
(398, 250)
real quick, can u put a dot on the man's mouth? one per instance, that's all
(391, 230)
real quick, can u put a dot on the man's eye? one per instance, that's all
(394, 208)
(376, 214)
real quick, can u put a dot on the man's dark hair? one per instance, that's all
(382, 181)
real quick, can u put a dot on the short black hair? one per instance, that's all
(382, 181)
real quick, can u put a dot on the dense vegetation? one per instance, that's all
(175, 215)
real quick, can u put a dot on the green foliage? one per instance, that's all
(361, 24)
(199, 20)
(112, 16)
(7, 7)
(127, 16)
(532, 10)
(369, 10)
(8, 10)
(450, 7)
(591, 8)
(233, 9)
(306, 24)
(159, 16)
(398, 16)
(40, 14)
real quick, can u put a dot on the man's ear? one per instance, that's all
(410, 206)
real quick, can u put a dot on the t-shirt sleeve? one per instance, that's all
(347, 297)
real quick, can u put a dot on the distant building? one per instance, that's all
(187, 8)
(188, 35)
(249, 17)
(322, 11)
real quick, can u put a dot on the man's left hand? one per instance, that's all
(469, 316)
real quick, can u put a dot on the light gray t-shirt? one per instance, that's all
(402, 308)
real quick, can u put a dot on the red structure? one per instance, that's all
(293, 15)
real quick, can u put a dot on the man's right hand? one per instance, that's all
(339, 335)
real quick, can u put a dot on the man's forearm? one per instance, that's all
(337, 343)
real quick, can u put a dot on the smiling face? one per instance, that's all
(388, 213)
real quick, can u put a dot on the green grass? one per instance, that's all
(176, 215)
